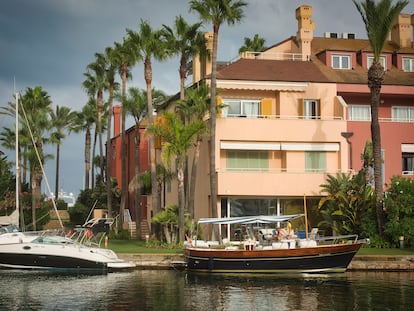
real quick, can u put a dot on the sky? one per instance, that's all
(49, 43)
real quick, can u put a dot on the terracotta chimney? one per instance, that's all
(117, 120)
(400, 32)
(202, 66)
(306, 27)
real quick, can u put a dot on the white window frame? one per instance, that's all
(402, 114)
(359, 112)
(243, 110)
(408, 64)
(341, 59)
(382, 60)
(311, 109)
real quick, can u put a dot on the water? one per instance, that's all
(171, 290)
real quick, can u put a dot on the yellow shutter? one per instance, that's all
(301, 103)
(266, 107)
(219, 103)
(319, 109)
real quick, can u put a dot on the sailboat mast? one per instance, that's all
(17, 161)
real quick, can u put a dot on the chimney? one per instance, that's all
(117, 120)
(306, 27)
(202, 65)
(400, 32)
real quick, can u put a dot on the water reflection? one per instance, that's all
(170, 290)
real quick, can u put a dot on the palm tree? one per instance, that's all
(95, 84)
(62, 120)
(112, 64)
(378, 19)
(135, 104)
(37, 106)
(84, 121)
(148, 45)
(256, 44)
(127, 57)
(185, 40)
(217, 12)
(177, 138)
(195, 107)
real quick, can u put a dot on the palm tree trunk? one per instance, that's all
(57, 171)
(87, 157)
(156, 206)
(137, 203)
(123, 149)
(181, 199)
(194, 178)
(213, 116)
(375, 78)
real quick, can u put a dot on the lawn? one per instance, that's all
(141, 247)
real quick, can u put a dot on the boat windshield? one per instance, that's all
(52, 240)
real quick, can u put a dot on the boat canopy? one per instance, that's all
(248, 219)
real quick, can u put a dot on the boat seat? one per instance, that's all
(313, 234)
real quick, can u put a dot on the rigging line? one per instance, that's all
(41, 166)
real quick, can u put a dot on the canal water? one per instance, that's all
(172, 290)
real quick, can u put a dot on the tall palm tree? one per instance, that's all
(378, 19)
(256, 44)
(62, 120)
(112, 64)
(184, 40)
(135, 104)
(216, 12)
(37, 106)
(178, 138)
(95, 84)
(127, 57)
(84, 121)
(195, 107)
(148, 45)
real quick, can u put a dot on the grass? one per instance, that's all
(141, 247)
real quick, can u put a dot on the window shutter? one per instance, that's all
(301, 103)
(319, 109)
(219, 102)
(266, 107)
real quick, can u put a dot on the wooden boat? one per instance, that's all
(288, 255)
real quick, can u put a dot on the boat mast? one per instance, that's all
(306, 216)
(18, 164)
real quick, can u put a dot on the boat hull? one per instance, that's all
(320, 259)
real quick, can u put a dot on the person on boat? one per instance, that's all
(289, 228)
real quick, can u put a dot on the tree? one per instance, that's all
(84, 120)
(36, 106)
(127, 57)
(216, 12)
(184, 40)
(195, 107)
(95, 84)
(62, 120)
(256, 44)
(148, 45)
(177, 138)
(112, 64)
(378, 19)
(347, 200)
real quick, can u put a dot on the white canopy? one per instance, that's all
(248, 219)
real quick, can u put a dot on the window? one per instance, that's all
(315, 161)
(247, 160)
(359, 113)
(341, 61)
(402, 114)
(408, 64)
(382, 60)
(241, 108)
(311, 109)
(407, 163)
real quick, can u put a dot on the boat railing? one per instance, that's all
(337, 239)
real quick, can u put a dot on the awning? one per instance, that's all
(248, 219)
